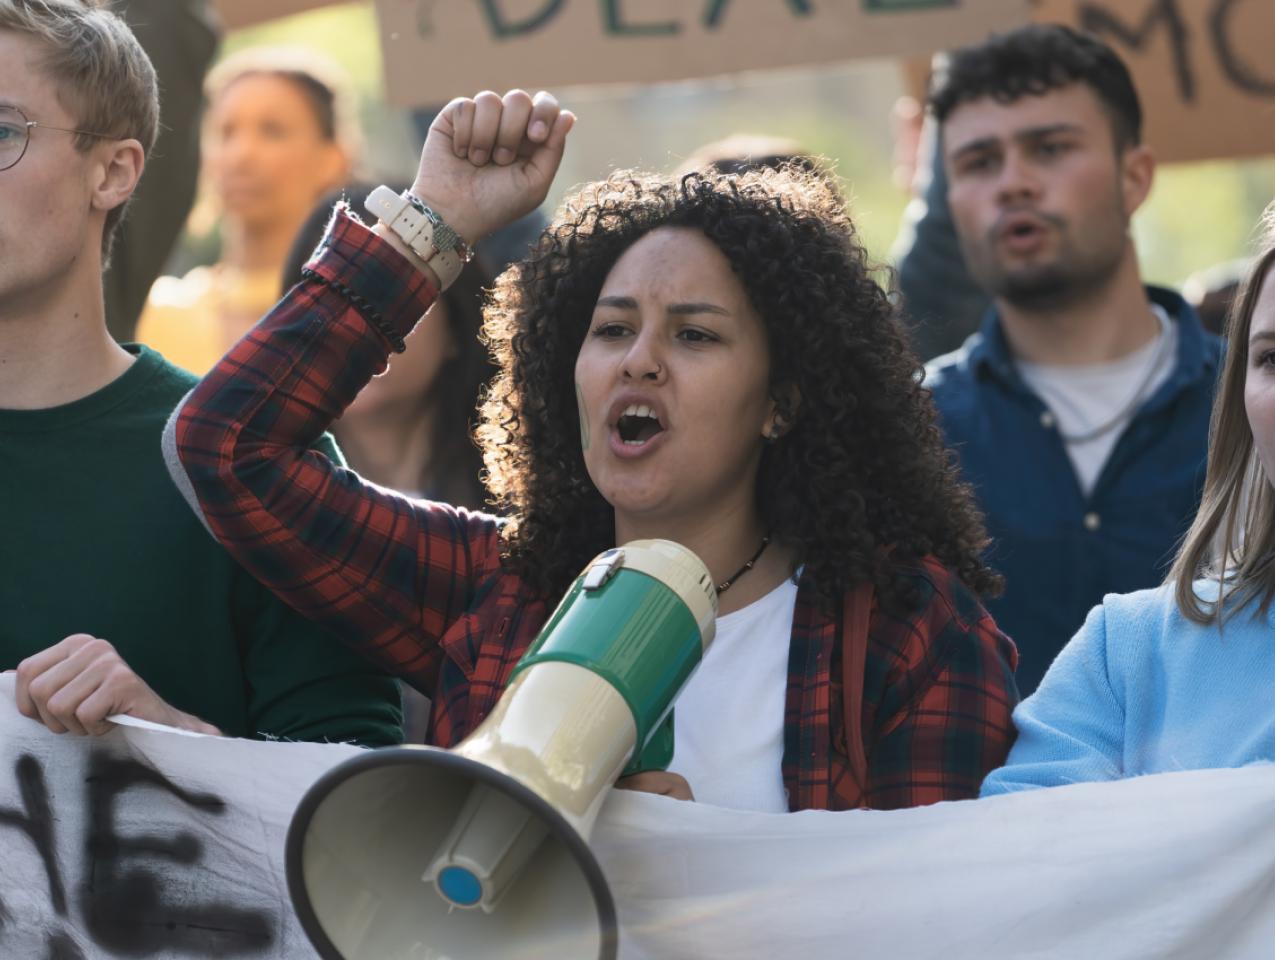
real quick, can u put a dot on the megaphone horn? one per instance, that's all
(422, 853)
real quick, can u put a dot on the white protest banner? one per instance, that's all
(436, 50)
(1203, 69)
(153, 843)
(147, 843)
(246, 13)
(1172, 867)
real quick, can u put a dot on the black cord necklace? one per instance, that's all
(730, 581)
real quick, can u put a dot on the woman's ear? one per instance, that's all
(785, 398)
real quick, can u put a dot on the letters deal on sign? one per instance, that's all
(435, 50)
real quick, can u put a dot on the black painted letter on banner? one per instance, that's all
(37, 823)
(126, 876)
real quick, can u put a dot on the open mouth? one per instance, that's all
(637, 425)
(1022, 230)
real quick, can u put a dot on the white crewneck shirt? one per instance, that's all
(1083, 398)
(728, 724)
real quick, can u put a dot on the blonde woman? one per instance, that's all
(1179, 677)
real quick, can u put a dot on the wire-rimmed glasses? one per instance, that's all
(15, 134)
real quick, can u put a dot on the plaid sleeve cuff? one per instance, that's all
(386, 287)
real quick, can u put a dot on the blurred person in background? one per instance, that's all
(1179, 677)
(181, 38)
(1080, 410)
(942, 303)
(663, 373)
(280, 133)
(113, 598)
(410, 428)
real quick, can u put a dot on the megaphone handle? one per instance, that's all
(657, 754)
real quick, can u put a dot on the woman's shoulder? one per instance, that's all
(935, 627)
(934, 586)
(1154, 609)
(930, 610)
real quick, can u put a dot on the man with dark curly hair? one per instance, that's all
(1080, 410)
(705, 360)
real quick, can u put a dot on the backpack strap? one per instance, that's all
(855, 620)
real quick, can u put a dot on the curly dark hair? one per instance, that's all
(1033, 60)
(860, 484)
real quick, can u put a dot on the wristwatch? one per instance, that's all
(432, 240)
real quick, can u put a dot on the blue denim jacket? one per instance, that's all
(1059, 550)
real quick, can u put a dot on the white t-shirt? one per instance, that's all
(1081, 399)
(728, 724)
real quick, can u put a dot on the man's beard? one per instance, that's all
(1048, 286)
(1069, 277)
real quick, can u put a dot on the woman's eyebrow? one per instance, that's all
(676, 309)
(682, 309)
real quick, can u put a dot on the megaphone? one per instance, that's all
(482, 851)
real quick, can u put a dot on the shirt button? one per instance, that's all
(1047, 420)
(1092, 522)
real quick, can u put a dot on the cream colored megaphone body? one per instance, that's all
(481, 851)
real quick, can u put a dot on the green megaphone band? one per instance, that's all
(637, 633)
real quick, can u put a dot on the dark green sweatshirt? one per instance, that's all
(94, 538)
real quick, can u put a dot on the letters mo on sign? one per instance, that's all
(1203, 69)
(437, 49)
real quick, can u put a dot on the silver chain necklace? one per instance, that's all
(1138, 394)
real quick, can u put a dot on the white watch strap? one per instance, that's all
(416, 230)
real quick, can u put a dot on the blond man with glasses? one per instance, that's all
(113, 600)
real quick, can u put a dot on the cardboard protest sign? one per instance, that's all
(246, 13)
(435, 50)
(1203, 69)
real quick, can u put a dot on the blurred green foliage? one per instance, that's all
(346, 33)
(1202, 214)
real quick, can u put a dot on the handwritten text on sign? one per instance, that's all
(435, 50)
(1202, 68)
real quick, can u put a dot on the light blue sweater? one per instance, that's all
(1141, 689)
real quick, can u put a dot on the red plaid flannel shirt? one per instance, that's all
(420, 589)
